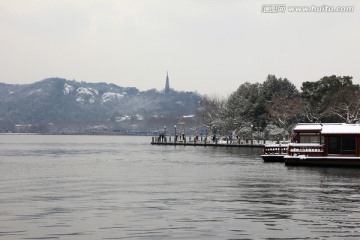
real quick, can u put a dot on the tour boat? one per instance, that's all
(327, 144)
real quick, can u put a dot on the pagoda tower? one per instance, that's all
(167, 85)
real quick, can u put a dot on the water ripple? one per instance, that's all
(91, 187)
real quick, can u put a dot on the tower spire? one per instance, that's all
(167, 84)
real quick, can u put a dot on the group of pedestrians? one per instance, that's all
(180, 137)
(161, 137)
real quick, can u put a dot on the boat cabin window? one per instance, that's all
(341, 145)
(311, 139)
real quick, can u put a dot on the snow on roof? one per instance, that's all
(329, 128)
(341, 129)
(308, 127)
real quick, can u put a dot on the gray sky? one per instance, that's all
(208, 46)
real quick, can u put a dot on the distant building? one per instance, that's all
(167, 85)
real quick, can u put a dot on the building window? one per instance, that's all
(309, 139)
(342, 145)
(348, 145)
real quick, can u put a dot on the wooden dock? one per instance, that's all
(236, 144)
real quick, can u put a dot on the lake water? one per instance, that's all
(116, 187)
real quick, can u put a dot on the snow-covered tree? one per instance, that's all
(346, 104)
(245, 107)
(319, 98)
(283, 110)
(209, 112)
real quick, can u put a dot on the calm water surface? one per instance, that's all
(116, 187)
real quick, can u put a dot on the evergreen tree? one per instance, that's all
(318, 97)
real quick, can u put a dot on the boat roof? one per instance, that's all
(329, 128)
(308, 127)
(341, 129)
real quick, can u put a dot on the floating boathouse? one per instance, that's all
(327, 144)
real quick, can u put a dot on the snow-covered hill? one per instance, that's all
(64, 102)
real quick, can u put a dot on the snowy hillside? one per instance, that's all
(65, 104)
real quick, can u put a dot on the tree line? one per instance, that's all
(271, 109)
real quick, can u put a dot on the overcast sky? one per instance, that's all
(208, 46)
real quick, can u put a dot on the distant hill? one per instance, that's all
(60, 105)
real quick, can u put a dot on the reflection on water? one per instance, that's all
(115, 187)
